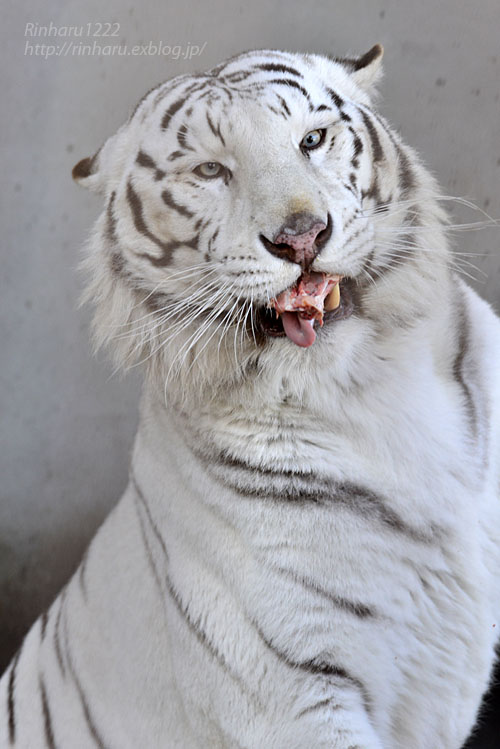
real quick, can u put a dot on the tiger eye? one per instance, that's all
(312, 140)
(209, 169)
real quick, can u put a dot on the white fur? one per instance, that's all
(197, 648)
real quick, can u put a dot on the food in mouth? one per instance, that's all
(302, 305)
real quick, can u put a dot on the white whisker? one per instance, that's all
(156, 311)
(173, 309)
(181, 324)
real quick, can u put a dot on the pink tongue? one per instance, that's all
(299, 329)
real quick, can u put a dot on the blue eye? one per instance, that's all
(312, 140)
(209, 170)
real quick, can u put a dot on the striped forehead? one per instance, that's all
(277, 85)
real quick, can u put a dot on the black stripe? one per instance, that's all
(328, 702)
(199, 82)
(350, 220)
(57, 639)
(210, 242)
(216, 130)
(230, 461)
(167, 248)
(373, 192)
(86, 711)
(135, 204)
(47, 719)
(279, 68)
(183, 610)
(91, 726)
(277, 111)
(211, 124)
(320, 491)
(11, 691)
(146, 161)
(356, 142)
(111, 220)
(284, 105)
(204, 640)
(292, 84)
(347, 186)
(168, 200)
(43, 624)
(407, 177)
(319, 668)
(377, 150)
(173, 108)
(458, 366)
(327, 669)
(149, 553)
(312, 666)
(380, 122)
(244, 57)
(357, 233)
(228, 93)
(406, 174)
(195, 628)
(81, 576)
(143, 159)
(337, 100)
(209, 95)
(182, 138)
(322, 107)
(152, 523)
(237, 76)
(117, 264)
(361, 610)
(175, 155)
(225, 460)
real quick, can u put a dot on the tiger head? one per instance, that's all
(235, 196)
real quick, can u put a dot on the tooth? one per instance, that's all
(332, 301)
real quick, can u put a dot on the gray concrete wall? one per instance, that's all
(66, 427)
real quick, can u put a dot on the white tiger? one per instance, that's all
(308, 552)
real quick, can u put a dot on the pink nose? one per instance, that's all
(297, 240)
(300, 242)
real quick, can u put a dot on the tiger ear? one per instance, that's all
(97, 172)
(86, 172)
(365, 70)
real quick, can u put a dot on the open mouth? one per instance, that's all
(316, 299)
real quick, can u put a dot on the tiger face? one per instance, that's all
(248, 204)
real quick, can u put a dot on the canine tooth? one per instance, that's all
(332, 301)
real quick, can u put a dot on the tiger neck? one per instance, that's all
(292, 419)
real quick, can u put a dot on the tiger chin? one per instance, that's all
(307, 553)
